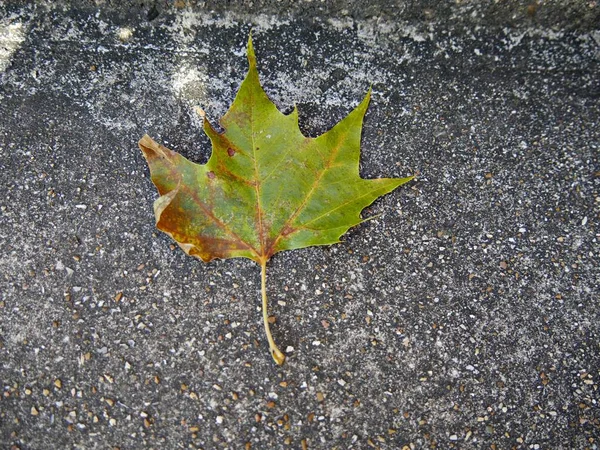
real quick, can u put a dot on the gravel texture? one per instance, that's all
(465, 315)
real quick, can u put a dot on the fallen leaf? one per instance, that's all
(266, 187)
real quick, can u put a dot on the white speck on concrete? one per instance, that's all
(124, 34)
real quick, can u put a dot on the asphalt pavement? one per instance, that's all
(465, 314)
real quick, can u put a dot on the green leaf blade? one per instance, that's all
(266, 187)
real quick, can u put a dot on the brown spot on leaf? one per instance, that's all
(287, 230)
(230, 151)
(210, 175)
(208, 248)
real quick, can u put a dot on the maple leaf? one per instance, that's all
(266, 187)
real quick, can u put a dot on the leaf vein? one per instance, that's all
(313, 188)
(342, 205)
(216, 220)
(259, 211)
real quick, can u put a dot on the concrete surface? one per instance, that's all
(464, 316)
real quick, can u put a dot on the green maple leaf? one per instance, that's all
(266, 187)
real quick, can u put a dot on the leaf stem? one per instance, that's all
(277, 355)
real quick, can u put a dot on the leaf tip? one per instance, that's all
(250, 52)
(200, 112)
(365, 102)
(152, 149)
(145, 141)
(147, 145)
